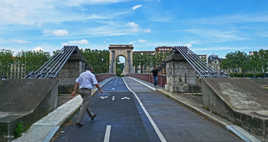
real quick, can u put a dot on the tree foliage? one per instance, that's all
(241, 62)
(6, 58)
(23, 61)
(32, 59)
(98, 59)
(144, 60)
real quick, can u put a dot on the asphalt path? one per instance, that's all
(134, 113)
(119, 119)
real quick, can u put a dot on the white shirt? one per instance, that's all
(86, 80)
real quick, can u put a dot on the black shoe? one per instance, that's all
(79, 124)
(93, 116)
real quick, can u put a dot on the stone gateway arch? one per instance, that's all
(121, 50)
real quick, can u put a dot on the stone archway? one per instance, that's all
(121, 50)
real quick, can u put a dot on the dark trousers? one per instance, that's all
(155, 80)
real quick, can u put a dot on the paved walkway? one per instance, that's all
(121, 117)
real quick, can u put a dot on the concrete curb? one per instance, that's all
(44, 129)
(238, 131)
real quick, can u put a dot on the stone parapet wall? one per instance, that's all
(24, 102)
(70, 71)
(149, 78)
(246, 117)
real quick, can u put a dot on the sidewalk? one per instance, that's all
(196, 105)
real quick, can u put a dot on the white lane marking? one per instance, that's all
(157, 130)
(143, 83)
(113, 98)
(107, 133)
(125, 98)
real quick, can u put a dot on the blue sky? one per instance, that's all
(205, 26)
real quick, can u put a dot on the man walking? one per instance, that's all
(155, 75)
(85, 82)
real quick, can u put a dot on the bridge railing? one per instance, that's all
(162, 80)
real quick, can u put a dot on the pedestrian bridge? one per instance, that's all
(130, 109)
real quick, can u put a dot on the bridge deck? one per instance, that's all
(119, 109)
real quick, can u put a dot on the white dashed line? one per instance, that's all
(157, 130)
(107, 133)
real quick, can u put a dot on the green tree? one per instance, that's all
(241, 62)
(144, 60)
(98, 59)
(33, 59)
(236, 61)
(6, 58)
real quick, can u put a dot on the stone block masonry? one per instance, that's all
(71, 70)
(181, 77)
(24, 102)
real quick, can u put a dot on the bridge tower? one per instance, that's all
(121, 50)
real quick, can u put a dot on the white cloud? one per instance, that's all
(136, 7)
(77, 42)
(212, 35)
(161, 18)
(263, 34)
(60, 32)
(38, 12)
(38, 48)
(132, 42)
(147, 30)
(95, 16)
(91, 2)
(20, 41)
(25, 11)
(106, 31)
(113, 29)
(234, 18)
(142, 41)
(162, 43)
(134, 27)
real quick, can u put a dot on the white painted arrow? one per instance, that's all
(103, 97)
(125, 98)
